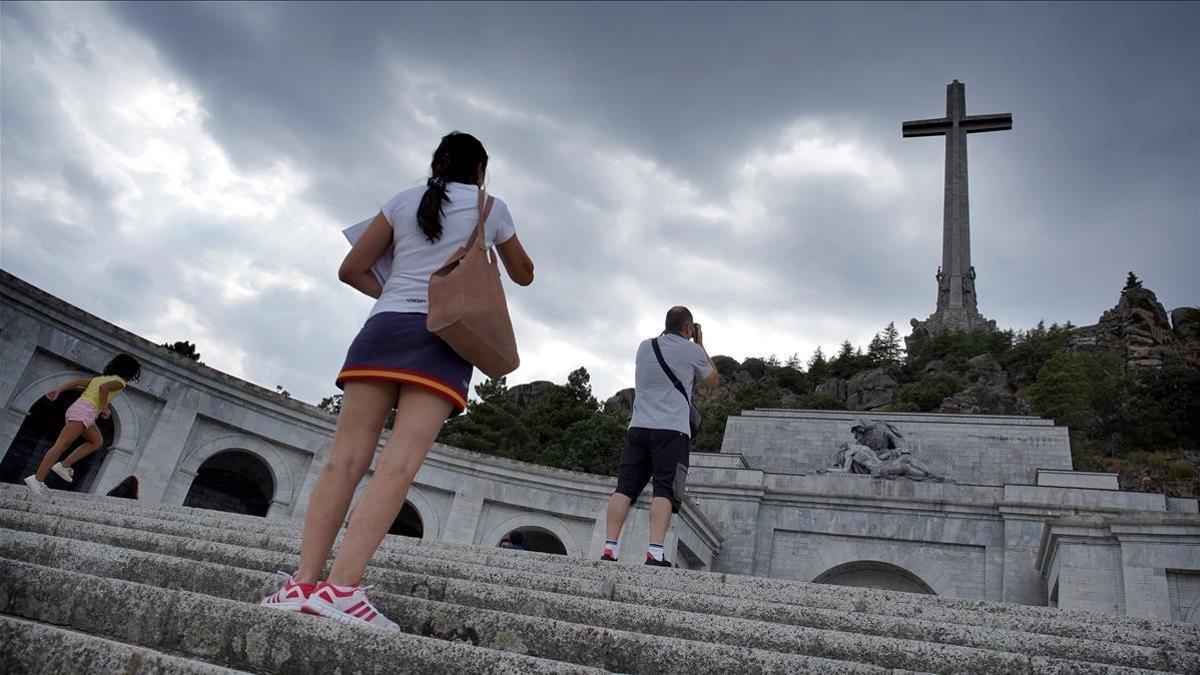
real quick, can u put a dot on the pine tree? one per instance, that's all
(891, 338)
(1132, 281)
(183, 348)
(818, 367)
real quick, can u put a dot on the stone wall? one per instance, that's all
(1139, 564)
(181, 413)
(968, 449)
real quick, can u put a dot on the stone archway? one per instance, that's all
(235, 481)
(268, 454)
(37, 433)
(535, 539)
(540, 523)
(126, 428)
(874, 574)
(408, 523)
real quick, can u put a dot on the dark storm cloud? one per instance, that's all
(745, 159)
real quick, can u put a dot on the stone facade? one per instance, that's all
(181, 414)
(1014, 524)
(1002, 530)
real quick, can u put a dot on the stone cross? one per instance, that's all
(956, 277)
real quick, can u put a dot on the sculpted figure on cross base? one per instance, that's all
(879, 450)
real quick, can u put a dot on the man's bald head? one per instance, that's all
(678, 319)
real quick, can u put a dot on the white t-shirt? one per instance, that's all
(657, 404)
(415, 259)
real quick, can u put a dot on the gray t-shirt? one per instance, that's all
(657, 404)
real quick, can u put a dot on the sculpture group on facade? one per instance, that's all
(879, 450)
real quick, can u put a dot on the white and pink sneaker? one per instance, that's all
(291, 596)
(345, 603)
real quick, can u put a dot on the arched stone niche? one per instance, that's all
(537, 521)
(874, 574)
(276, 462)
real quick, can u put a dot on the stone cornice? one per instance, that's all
(46, 308)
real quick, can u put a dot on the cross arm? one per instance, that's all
(933, 127)
(976, 123)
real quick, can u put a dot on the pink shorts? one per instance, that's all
(83, 412)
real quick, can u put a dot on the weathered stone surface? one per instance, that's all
(621, 402)
(835, 388)
(1185, 321)
(870, 390)
(988, 395)
(984, 398)
(935, 366)
(509, 605)
(1136, 329)
(31, 647)
(525, 394)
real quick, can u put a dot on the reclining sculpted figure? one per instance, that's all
(879, 450)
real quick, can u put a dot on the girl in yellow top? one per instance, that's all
(81, 419)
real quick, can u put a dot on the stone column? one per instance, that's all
(14, 361)
(462, 524)
(309, 482)
(13, 364)
(1021, 581)
(165, 445)
(596, 547)
(117, 465)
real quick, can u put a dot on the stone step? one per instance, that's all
(434, 619)
(38, 648)
(579, 643)
(857, 629)
(815, 605)
(236, 634)
(755, 586)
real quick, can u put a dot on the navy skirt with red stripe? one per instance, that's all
(396, 347)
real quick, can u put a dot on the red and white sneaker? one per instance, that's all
(291, 596)
(345, 603)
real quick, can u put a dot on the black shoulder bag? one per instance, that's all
(693, 414)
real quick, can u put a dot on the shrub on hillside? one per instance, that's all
(1183, 470)
(928, 393)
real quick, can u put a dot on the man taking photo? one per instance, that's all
(659, 438)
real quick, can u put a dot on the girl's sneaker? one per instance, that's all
(345, 603)
(291, 596)
(63, 472)
(37, 487)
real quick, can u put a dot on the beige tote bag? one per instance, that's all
(467, 307)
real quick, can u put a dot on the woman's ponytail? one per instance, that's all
(459, 158)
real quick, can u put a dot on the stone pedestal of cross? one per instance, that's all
(957, 307)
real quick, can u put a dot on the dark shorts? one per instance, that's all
(396, 347)
(658, 454)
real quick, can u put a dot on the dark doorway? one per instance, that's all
(38, 432)
(234, 481)
(874, 574)
(408, 523)
(536, 539)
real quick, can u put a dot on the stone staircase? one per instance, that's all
(98, 584)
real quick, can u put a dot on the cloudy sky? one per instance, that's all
(184, 170)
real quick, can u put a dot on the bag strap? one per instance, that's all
(485, 209)
(667, 369)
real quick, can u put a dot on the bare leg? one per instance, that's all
(365, 407)
(65, 438)
(660, 519)
(420, 414)
(94, 441)
(618, 511)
